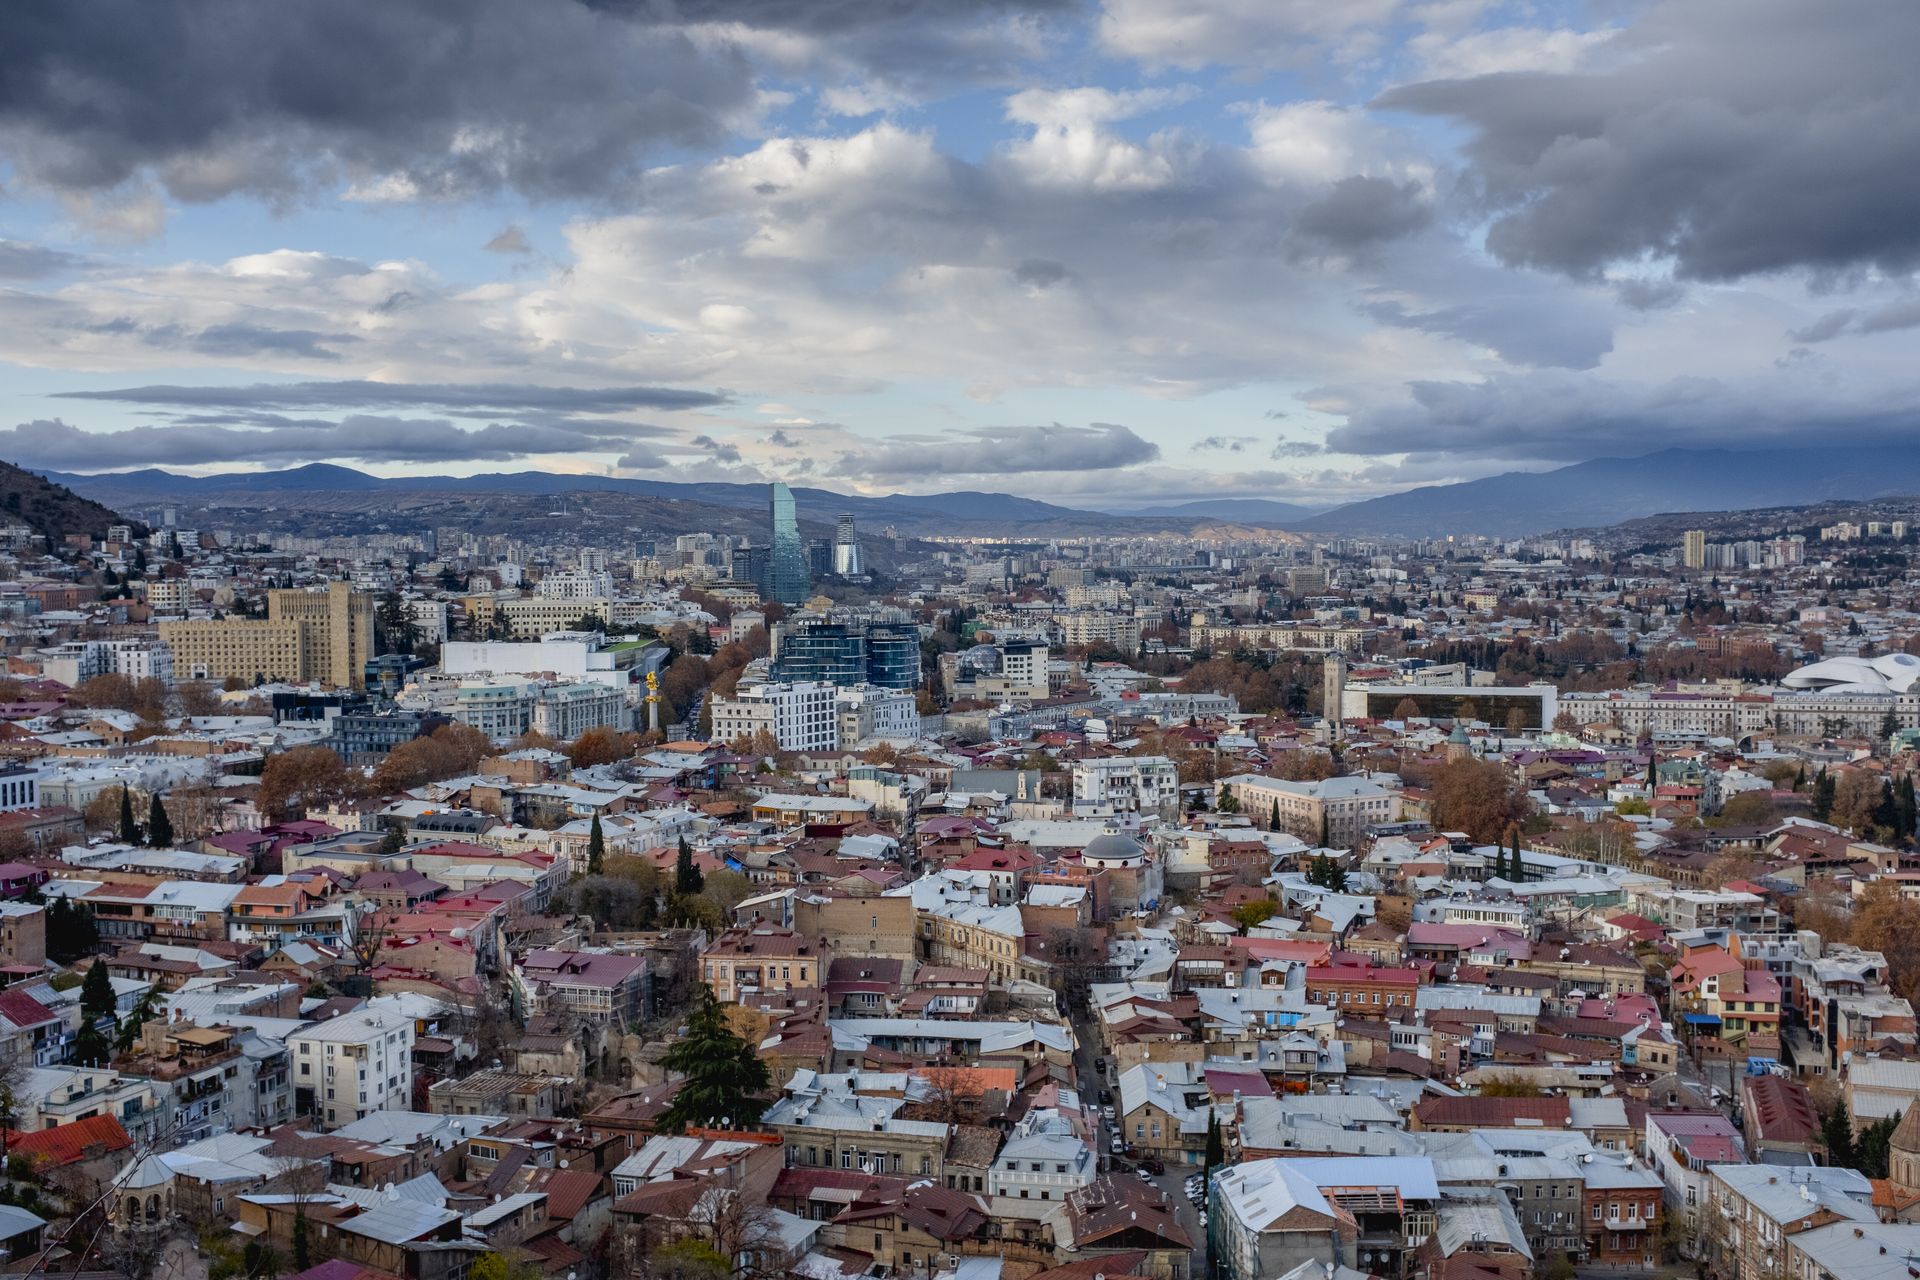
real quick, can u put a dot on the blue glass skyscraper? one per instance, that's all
(787, 578)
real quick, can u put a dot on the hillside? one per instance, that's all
(1606, 491)
(1260, 511)
(49, 509)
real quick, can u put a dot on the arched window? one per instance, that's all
(153, 1207)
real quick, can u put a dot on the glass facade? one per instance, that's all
(880, 653)
(787, 578)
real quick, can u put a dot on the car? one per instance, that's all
(1107, 1111)
(1106, 1099)
(1099, 1064)
(1116, 1146)
(1153, 1164)
(1144, 1175)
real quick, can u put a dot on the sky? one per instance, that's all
(1107, 253)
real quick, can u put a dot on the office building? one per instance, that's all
(886, 654)
(306, 636)
(787, 578)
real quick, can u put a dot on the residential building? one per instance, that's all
(351, 1066)
(306, 636)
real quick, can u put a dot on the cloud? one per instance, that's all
(511, 238)
(1231, 444)
(1731, 137)
(1890, 318)
(1520, 331)
(58, 445)
(22, 261)
(1553, 416)
(1357, 213)
(1102, 446)
(1040, 273)
(1297, 449)
(1255, 33)
(492, 397)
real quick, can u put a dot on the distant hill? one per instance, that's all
(1606, 491)
(996, 513)
(1260, 511)
(49, 509)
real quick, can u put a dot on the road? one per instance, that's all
(1172, 1182)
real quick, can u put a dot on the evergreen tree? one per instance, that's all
(1273, 824)
(1216, 1153)
(1800, 778)
(1519, 863)
(597, 848)
(395, 838)
(1324, 873)
(726, 1081)
(1225, 802)
(1326, 831)
(159, 825)
(1889, 725)
(96, 993)
(144, 1012)
(1822, 804)
(1837, 1130)
(302, 1244)
(647, 914)
(1653, 772)
(687, 879)
(1909, 818)
(394, 620)
(129, 829)
(90, 1048)
(1871, 1153)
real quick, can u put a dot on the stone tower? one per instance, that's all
(1333, 693)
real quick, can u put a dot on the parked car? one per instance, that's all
(1153, 1164)
(1116, 1146)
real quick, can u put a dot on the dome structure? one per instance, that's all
(1114, 848)
(1888, 673)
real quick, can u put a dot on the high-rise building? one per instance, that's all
(787, 578)
(1693, 549)
(306, 635)
(846, 548)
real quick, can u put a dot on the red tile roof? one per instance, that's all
(70, 1143)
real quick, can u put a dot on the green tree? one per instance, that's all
(96, 993)
(1249, 914)
(725, 1080)
(687, 880)
(1326, 831)
(1324, 873)
(1871, 1151)
(596, 848)
(159, 825)
(90, 1048)
(394, 621)
(1216, 1153)
(1837, 1130)
(1822, 804)
(1518, 864)
(1273, 823)
(302, 1243)
(395, 838)
(129, 829)
(143, 1013)
(1226, 802)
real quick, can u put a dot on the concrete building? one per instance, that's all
(1338, 809)
(306, 636)
(346, 1068)
(1143, 785)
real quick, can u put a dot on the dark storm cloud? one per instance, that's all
(1039, 272)
(221, 96)
(357, 394)
(1358, 213)
(22, 261)
(1561, 417)
(58, 445)
(1100, 446)
(1733, 136)
(543, 97)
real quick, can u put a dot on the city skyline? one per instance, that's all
(1101, 253)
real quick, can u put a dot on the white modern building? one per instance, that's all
(801, 717)
(347, 1068)
(867, 712)
(577, 584)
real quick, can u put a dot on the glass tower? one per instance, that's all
(787, 577)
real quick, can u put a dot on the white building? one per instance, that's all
(577, 584)
(565, 711)
(79, 660)
(1126, 785)
(346, 1068)
(867, 712)
(801, 717)
(1042, 1160)
(563, 655)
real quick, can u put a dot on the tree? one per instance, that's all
(71, 931)
(1518, 864)
(1857, 800)
(1478, 797)
(1467, 712)
(600, 746)
(1871, 1151)
(596, 848)
(1273, 824)
(159, 826)
(90, 1048)
(302, 779)
(1324, 873)
(687, 879)
(96, 993)
(725, 1080)
(1516, 721)
(143, 1013)
(129, 829)
(1226, 802)
(302, 1243)
(1249, 914)
(1216, 1153)
(1406, 709)
(1821, 805)
(394, 621)
(1509, 1086)
(1837, 1130)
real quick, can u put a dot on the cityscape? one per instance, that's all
(998, 640)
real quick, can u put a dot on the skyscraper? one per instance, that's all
(787, 577)
(846, 548)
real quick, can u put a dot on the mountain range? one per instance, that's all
(1600, 492)
(51, 509)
